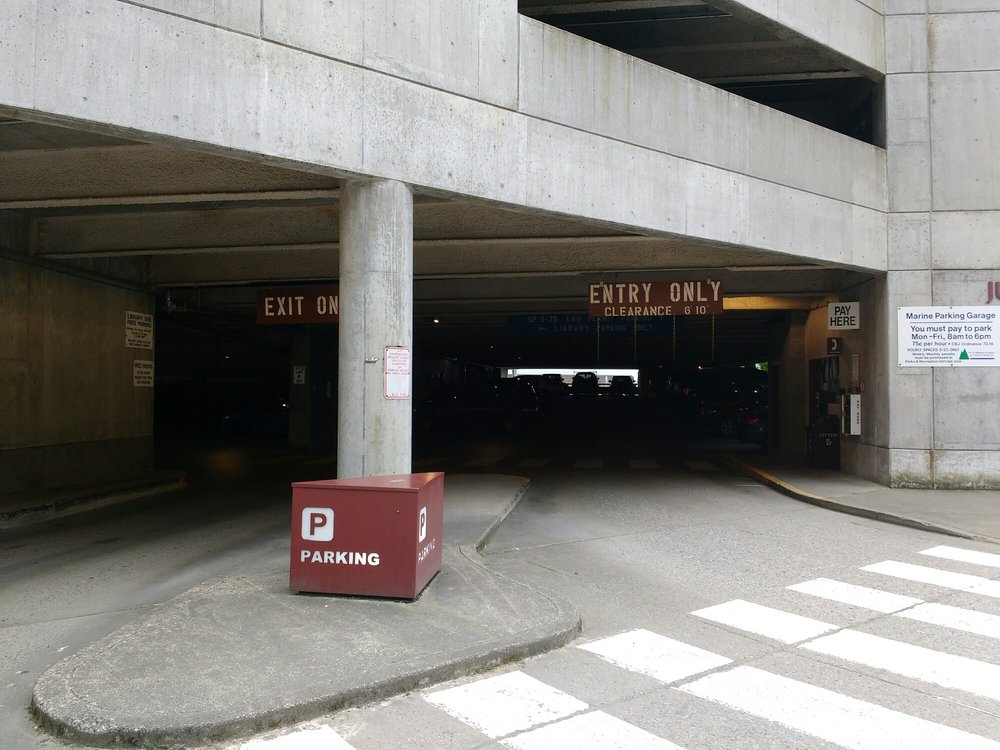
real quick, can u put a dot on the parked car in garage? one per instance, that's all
(753, 425)
(584, 385)
(622, 385)
(724, 396)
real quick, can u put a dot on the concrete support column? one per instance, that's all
(793, 373)
(376, 311)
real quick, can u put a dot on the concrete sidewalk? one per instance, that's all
(238, 656)
(968, 514)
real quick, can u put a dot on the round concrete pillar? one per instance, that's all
(376, 311)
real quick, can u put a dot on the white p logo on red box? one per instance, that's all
(422, 525)
(317, 524)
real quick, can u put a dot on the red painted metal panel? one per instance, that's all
(376, 536)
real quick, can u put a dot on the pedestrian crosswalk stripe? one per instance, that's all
(936, 577)
(967, 620)
(588, 463)
(956, 618)
(916, 662)
(828, 715)
(654, 655)
(964, 555)
(310, 738)
(772, 623)
(858, 596)
(591, 731)
(505, 704)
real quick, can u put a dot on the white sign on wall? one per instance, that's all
(949, 336)
(397, 372)
(142, 373)
(138, 330)
(843, 316)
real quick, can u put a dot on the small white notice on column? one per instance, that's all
(397, 372)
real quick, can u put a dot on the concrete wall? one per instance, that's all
(849, 28)
(793, 387)
(465, 107)
(456, 45)
(70, 410)
(943, 103)
(572, 81)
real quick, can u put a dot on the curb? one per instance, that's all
(796, 493)
(559, 627)
(484, 539)
(566, 628)
(14, 519)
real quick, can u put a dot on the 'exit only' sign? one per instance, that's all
(843, 316)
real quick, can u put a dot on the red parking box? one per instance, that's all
(376, 536)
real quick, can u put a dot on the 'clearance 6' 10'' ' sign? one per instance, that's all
(651, 299)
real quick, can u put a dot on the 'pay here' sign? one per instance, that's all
(842, 316)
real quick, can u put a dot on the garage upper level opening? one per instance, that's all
(724, 45)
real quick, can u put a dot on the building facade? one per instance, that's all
(477, 150)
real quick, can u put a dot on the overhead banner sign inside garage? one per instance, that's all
(581, 324)
(298, 304)
(949, 336)
(654, 299)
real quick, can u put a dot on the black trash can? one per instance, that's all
(823, 443)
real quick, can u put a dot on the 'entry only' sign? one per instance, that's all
(652, 299)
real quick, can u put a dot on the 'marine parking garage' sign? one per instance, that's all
(650, 299)
(949, 336)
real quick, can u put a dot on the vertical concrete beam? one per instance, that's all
(376, 311)
(793, 368)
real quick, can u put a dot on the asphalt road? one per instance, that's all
(693, 639)
(681, 573)
(68, 582)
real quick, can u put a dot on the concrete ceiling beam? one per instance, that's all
(117, 172)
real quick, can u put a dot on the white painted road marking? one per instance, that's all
(505, 704)
(967, 620)
(312, 738)
(936, 577)
(655, 656)
(830, 716)
(956, 618)
(916, 662)
(858, 596)
(772, 623)
(593, 731)
(988, 559)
